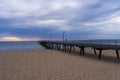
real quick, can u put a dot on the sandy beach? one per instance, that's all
(58, 65)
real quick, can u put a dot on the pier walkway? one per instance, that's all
(82, 44)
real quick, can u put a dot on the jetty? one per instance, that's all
(70, 45)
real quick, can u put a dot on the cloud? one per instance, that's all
(25, 8)
(107, 24)
(42, 13)
(44, 22)
(99, 16)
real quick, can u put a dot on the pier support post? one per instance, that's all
(55, 46)
(52, 46)
(117, 53)
(64, 47)
(59, 47)
(82, 51)
(100, 53)
(95, 51)
(68, 47)
(71, 48)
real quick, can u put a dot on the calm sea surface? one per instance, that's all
(23, 45)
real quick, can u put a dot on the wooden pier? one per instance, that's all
(99, 45)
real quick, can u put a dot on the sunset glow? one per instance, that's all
(11, 38)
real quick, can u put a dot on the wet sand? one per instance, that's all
(58, 65)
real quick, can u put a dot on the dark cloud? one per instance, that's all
(43, 18)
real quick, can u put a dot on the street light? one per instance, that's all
(63, 35)
(51, 37)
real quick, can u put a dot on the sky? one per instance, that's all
(26, 20)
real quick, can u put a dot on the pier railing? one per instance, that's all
(98, 43)
(108, 42)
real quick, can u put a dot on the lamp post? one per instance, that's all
(63, 35)
(51, 37)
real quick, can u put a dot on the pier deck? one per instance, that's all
(82, 44)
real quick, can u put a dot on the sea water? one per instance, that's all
(23, 45)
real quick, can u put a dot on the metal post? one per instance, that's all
(51, 37)
(63, 35)
(115, 42)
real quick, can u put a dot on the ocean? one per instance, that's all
(23, 45)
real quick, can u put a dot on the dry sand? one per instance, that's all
(58, 65)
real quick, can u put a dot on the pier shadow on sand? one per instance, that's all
(90, 55)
